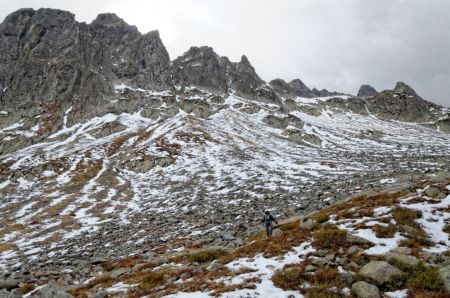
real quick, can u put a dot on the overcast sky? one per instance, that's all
(333, 44)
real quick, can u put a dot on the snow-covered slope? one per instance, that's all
(119, 184)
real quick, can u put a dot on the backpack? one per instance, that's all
(267, 219)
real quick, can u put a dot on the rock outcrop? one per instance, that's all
(366, 91)
(298, 88)
(201, 67)
(292, 89)
(51, 62)
(402, 104)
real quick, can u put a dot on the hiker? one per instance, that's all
(268, 221)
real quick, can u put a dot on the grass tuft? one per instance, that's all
(330, 237)
(384, 232)
(405, 216)
(206, 255)
(321, 217)
(427, 279)
(289, 278)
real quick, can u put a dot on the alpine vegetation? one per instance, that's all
(124, 173)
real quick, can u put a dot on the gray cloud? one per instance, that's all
(331, 44)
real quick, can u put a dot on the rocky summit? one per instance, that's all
(110, 149)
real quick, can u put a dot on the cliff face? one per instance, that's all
(50, 62)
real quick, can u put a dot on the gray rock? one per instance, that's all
(98, 293)
(357, 240)
(444, 124)
(200, 67)
(444, 272)
(5, 294)
(402, 250)
(292, 89)
(379, 271)
(352, 266)
(312, 139)
(51, 290)
(95, 57)
(366, 91)
(276, 122)
(308, 224)
(354, 250)
(365, 290)
(321, 262)
(8, 284)
(402, 258)
(293, 134)
(228, 237)
(98, 260)
(277, 233)
(120, 271)
(344, 105)
(433, 191)
(402, 104)
(310, 268)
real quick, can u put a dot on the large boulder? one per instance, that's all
(380, 272)
(433, 191)
(402, 258)
(276, 122)
(308, 224)
(365, 290)
(312, 139)
(444, 124)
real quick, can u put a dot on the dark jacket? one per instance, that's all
(268, 219)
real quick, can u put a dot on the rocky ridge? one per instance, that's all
(109, 149)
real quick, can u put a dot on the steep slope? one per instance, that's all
(108, 149)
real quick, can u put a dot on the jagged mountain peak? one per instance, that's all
(294, 88)
(108, 19)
